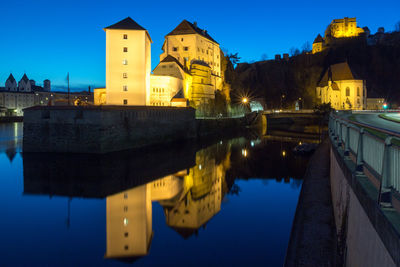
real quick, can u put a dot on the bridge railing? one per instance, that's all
(373, 149)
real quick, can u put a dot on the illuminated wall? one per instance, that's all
(128, 67)
(129, 223)
(346, 27)
(344, 94)
(316, 47)
(99, 96)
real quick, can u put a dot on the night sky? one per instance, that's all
(47, 39)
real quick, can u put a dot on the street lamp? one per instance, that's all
(245, 100)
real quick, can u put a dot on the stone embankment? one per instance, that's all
(313, 237)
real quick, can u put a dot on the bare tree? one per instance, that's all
(264, 57)
(397, 27)
(294, 51)
(306, 47)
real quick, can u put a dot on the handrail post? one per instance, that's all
(360, 160)
(339, 135)
(347, 141)
(385, 191)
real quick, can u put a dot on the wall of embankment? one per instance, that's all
(103, 129)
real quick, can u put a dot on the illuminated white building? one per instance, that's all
(128, 64)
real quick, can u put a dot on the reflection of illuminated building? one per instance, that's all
(129, 223)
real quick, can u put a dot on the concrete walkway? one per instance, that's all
(313, 238)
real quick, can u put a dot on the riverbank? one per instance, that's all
(313, 237)
(10, 119)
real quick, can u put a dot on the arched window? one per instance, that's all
(347, 91)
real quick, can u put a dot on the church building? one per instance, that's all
(343, 88)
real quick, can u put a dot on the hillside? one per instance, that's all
(298, 77)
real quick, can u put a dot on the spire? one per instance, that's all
(11, 78)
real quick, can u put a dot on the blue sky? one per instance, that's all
(47, 39)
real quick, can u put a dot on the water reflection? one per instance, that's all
(10, 139)
(189, 183)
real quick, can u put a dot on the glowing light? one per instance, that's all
(283, 153)
(385, 106)
(245, 100)
(125, 221)
(199, 166)
(244, 153)
(300, 143)
(252, 143)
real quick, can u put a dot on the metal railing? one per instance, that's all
(376, 149)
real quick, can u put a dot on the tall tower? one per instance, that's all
(128, 64)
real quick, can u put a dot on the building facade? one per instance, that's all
(342, 88)
(128, 64)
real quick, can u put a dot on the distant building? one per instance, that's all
(13, 98)
(339, 28)
(24, 84)
(46, 85)
(318, 44)
(278, 57)
(375, 103)
(343, 88)
(342, 28)
(286, 56)
(381, 30)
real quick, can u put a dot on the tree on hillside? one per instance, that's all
(306, 47)
(397, 27)
(264, 57)
(234, 58)
(294, 51)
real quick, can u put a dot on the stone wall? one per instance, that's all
(101, 129)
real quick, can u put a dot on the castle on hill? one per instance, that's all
(339, 28)
(189, 71)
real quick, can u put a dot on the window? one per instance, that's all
(125, 221)
(126, 247)
(125, 88)
(202, 51)
(186, 48)
(125, 101)
(125, 195)
(347, 91)
(198, 49)
(175, 49)
(358, 91)
(125, 62)
(125, 208)
(125, 75)
(126, 234)
(182, 39)
(125, 36)
(125, 49)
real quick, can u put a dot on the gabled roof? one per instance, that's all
(185, 27)
(318, 39)
(11, 77)
(178, 95)
(25, 78)
(338, 72)
(170, 58)
(126, 24)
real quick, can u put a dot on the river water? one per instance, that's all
(216, 203)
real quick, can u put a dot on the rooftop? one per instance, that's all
(338, 72)
(185, 27)
(126, 24)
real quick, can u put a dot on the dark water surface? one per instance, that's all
(226, 203)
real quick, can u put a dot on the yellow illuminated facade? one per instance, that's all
(343, 28)
(339, 28)
(128, 64)
(189, 70)
(341, 87)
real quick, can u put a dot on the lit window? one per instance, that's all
(125, 101)
(125, 62)
(125, 49)
(125, 75)
(125, 88)
(125, 36)
(125, 221)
